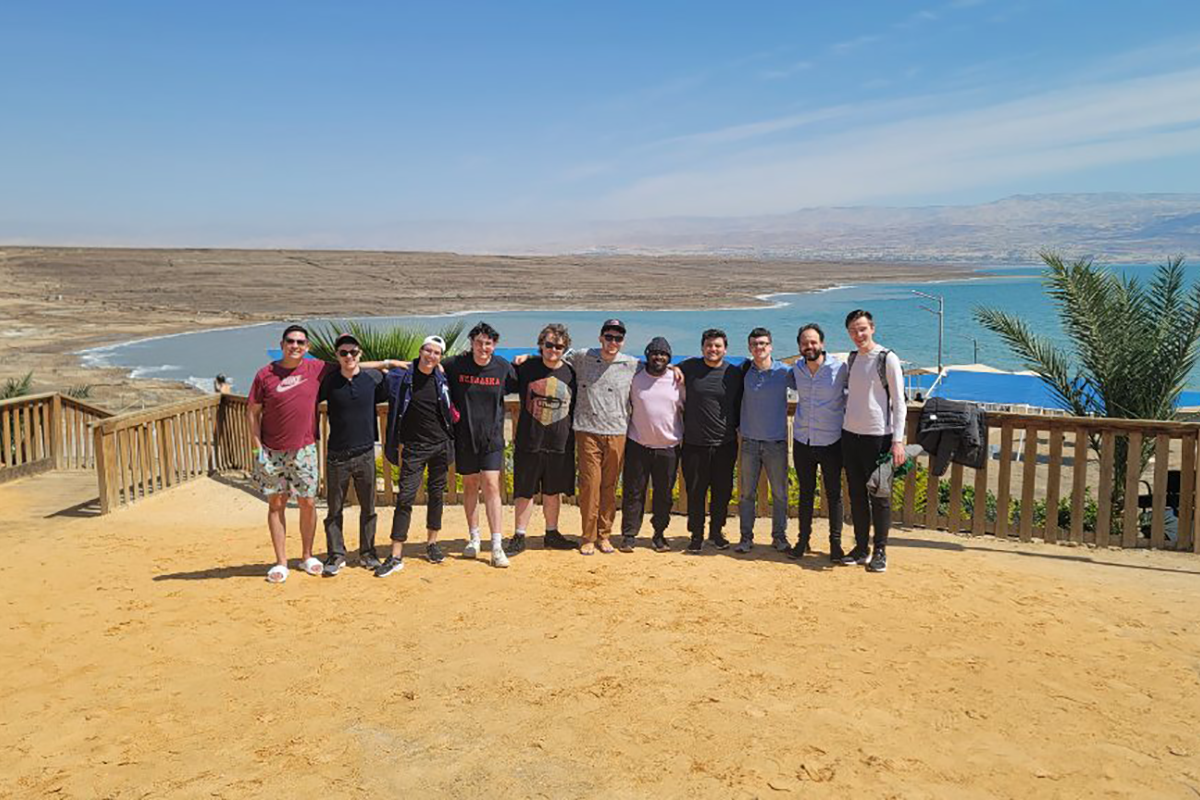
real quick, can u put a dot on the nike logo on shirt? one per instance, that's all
(289, 383)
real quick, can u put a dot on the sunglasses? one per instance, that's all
(614, 337)
(296, 342)
(349, 353)
(555, 346)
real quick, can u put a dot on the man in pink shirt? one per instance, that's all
(282, 414)
(652, 445)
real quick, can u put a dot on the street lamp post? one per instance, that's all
(941, 315)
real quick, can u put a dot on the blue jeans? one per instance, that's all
(773, 456)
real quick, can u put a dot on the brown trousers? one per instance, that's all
(599, 459)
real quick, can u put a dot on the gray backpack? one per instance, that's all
(881, 363)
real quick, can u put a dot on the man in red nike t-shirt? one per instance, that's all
(282, 413)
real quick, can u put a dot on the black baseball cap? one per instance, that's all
(346, 338)
(613, 324)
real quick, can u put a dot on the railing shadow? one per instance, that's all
(899, 541)
(84, 510)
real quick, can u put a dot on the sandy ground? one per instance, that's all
(144, 656)
(57, 301)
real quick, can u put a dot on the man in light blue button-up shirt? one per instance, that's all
(820, 383)
(764, 439)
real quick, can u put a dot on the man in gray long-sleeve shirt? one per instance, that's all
(604, 375)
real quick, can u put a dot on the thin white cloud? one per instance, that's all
(788, 71)
(850, 45)
(1046, 133)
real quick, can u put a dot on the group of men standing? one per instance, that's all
(597, 413)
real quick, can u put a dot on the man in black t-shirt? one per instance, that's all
(711, 413)
(544, 452)
(478, 382)
(420, 419)
(351, 394)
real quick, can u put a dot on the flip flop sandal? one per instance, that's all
(583, 552)
(277, 574)
(312, 566)
(606, 548)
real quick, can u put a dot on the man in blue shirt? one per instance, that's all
(764, 439)
(820, 383)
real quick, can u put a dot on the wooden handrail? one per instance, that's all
(132, 418)
(28, 398)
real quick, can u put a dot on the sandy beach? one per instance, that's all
(145, 656)
(55, 302)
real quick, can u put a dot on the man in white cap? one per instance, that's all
(421, 417)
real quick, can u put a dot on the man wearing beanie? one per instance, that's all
(652, 445)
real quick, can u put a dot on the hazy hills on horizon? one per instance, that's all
(1111, 226)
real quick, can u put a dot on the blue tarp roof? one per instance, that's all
(1007, 388)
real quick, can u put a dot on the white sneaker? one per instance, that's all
(472, 549)
(498, 557)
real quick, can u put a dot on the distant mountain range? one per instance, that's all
(1110, 226)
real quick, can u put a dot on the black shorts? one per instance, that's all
(548, 473)
(468, 462)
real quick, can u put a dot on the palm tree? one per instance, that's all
(377, 344)
(1134, 344)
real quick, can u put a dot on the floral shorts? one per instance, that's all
(292, 471)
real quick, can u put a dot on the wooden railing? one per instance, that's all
(42, 432)
(144, 452)
(1049, 477)
(1045, 479)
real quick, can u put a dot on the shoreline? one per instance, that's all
(59, 303)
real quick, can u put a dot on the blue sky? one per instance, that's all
(354, 123)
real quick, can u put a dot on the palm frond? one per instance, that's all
(16, 387)
(398, 342)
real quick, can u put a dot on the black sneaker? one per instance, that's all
(434, 553)
(796, 551)
(333, 565)
(515, 545)
(719, 542)
(553, 540)
(836, 554)
(878, 561)
(695, 545)
(854, 557)
(780, 544)
(659, 543)
(369, 560)
(393, 564)
(625, 544)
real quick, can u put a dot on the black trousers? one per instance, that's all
(708, 468)
(806, 458)
(860, 454)
(339, 471)
(643, 465)
(414, 459)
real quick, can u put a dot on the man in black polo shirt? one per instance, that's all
(351, 393)
(711, 412)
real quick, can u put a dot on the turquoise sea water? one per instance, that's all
(901, 324)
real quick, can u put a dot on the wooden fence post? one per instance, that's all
(105, 448)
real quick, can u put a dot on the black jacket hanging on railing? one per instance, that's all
(953, 431)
